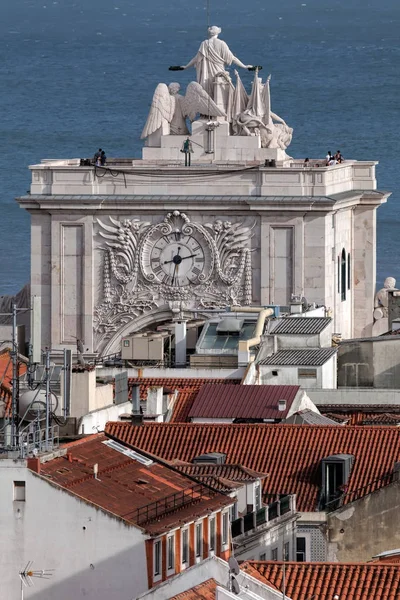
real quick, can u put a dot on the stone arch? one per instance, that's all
(159, 315)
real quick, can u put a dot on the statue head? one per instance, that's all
(174, 88)
(390, 283)
(213, 31)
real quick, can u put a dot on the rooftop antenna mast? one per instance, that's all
(27, 574)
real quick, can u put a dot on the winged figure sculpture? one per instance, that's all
(170, 109)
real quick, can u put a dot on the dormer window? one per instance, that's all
(335, 475)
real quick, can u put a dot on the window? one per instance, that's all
(171, 552)
(199, 539)
(234, 512)
(274, 554)
(257, 493)
(307, 373)
(19, 491)
(263, 556)
(126, 343)
(185, 546)
(157, 557)
(343, 276)
(212, 534)
(348, 271)
(286, 551)
(301, 549)
(225, 528)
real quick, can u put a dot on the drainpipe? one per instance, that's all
(245, 345)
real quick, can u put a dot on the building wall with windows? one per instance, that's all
(192, 543)
(311, 377)
(86, 547)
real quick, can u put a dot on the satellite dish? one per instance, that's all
(233, 565)
(235, 586)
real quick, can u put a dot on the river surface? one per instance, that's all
(78, 75)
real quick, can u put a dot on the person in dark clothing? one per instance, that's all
(97, 156)
(103, 158)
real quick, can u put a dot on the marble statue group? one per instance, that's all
(214, 96)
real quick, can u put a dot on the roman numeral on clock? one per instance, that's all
(167, 279)
(158, 270)
(196, 271)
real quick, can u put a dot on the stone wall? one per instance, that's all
(366, 527)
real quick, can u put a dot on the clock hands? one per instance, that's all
(177, 259)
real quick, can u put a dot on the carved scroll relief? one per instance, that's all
(146, 266)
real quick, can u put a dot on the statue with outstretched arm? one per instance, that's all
(212, 57)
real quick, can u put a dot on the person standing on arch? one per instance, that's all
(212, 57)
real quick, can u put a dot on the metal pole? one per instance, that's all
(14, 397)
(47, 371)
(65, 384)
(284, 580)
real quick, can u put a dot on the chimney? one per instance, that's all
(136, 415)
(281, 405)
(34, 464)
(155, 401)
(96, 470)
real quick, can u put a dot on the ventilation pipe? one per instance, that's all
(245, 345)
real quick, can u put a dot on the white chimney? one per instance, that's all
(281, 405)
(96, 470)
(155, 400)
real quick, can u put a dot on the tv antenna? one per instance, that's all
(28, 574)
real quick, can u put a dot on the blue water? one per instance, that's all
(78, 75)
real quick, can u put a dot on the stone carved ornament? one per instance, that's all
(246, 114)
(169, 108)
(174, 262)
(381, 302)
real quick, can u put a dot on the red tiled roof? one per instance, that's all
(358, 417)
(324, 581)
(124, 485)
(290, 454)
(222, 477)
(244, 402)
(188, 389)
(203, 591)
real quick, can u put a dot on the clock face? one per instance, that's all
(177, 258)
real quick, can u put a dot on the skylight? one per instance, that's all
(127, 452)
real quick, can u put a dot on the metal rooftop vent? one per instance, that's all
(281, 405)
(230, 325)
(216, 458)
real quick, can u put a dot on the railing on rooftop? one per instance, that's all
(279, 507)
(347, 497)
(170, 503)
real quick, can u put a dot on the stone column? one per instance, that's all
(364, 269)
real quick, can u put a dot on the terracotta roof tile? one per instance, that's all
(358, 417)
(349, 581)
(124, 486)
(188, 389)
(290, 454)
(242, 402)
(203, 591)
(222, 477)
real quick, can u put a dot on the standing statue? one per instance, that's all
(169, 109)
(381, 303)
(211, 58)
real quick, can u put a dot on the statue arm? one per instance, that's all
(237, 62)
(191, 63)
(277, 118)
